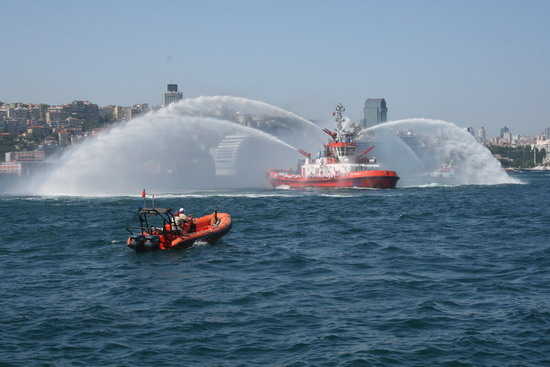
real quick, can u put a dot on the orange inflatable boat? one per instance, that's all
(158, 230)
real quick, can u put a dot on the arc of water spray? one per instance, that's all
(202, 103)
(116, 158)
(477, 165)
(266, 135)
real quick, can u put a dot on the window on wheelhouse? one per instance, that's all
(345, 151)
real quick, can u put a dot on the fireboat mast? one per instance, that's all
(339, 120)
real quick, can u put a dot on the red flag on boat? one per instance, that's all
(143, 193)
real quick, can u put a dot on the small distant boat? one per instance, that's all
(540, 168)
(445, 171)
(157, 230)
(338, 165)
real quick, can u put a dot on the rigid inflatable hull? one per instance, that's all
(209, 228)
(205, 232)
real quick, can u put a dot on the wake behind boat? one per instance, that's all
(337, 165)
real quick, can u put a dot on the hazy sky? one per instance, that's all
(474, 63)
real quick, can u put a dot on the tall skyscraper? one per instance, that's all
(171, 95)
(547, 133)
(503, 131)
(375, 112)
(481, 135)
(507, 136)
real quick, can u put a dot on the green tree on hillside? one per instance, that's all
(514, 156)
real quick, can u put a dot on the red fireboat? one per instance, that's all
(337, 165)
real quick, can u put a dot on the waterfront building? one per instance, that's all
(541, 144)
(375, 112)
(171, 95)
(25, 156)
(11, 168)
(22, 162)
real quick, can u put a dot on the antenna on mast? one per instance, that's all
(339, 119)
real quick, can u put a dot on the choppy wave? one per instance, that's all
(420, 276)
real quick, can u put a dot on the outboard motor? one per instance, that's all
(137, 242)
(152, 242)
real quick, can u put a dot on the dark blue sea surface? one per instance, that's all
(416, 276)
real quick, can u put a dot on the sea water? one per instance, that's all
(435, 275)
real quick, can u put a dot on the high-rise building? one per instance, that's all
(503, 131)
(481, 135)
(547, 133)
(507, 137)
(171, 95)
(375, 112)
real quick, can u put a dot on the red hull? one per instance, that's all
(378, 179)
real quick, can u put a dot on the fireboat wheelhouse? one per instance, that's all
(337, 165)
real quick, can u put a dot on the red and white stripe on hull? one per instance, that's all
(370, 179)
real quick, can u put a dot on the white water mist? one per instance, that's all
(436, 143)
(171, 149)
(174, 150)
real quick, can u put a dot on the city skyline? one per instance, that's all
(470, 63)
(172, 95)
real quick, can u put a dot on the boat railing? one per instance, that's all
(163, 218)
(147, 229)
